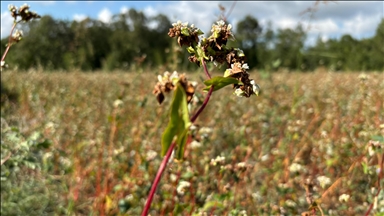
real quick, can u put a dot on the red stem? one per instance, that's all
(9, 42)
(157, 179)
(164, 163)
(205, 68)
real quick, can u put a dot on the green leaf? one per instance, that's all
(219, 82)
(191, 50)
(178, 123)
(199, 32)
(181, 142)
(184, 31)
(227, 72)
(378, 138)
(200, 53)
(213, 204)
(45, 144)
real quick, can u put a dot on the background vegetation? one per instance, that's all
(133, 40)
(93, 142)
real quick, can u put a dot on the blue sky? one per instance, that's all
(67, 9)
(330, 20)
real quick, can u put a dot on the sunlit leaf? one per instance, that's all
(178, 123)
(220, 82)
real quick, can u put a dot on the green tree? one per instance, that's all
(289, 47)
(247, 33)
(44, 44)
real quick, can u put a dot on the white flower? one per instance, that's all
(255, 87)
(218, 159)
(264, 157)
(178, 23)
(245, 66)
(174, 77)
(237, 64)
(160, 78)
(290, 203)
(363, 76)
(205, 131)
(129, 197)
(257, 196)
(220, 23)
(371, 150)
(241, 165)
(295, 167)
(240, 52)
(243, 213)
(12, 8)
(324, 181)
(166, 75)
(18, 34)
(238, 92)
(181, 188)
(344, 197)
(2, 63)
(195, 144)
(117, 103)
(229, 27)
(173, 177)
(151, 155)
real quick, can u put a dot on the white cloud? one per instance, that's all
(150, 11)
(361, 26)
(286, 23)
(105, 15)
(79, 17)
(326, 26)
(44, 3)
(124, 9)
(6, 24)
(330, 20)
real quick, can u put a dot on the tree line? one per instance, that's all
(132, 40)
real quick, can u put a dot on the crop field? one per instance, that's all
(89, 144)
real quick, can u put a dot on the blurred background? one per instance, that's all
(295, 35)
(81, 129)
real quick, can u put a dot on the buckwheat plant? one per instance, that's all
(213, 49)
(22, 14)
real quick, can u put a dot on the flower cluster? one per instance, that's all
(185, 35)
(23, 12)
(217, 160)
(324, 181)
(214, 49)
(182, 187)
(25, 15)
(167, 83)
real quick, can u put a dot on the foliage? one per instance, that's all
(25, 187)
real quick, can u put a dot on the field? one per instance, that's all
(89, 144)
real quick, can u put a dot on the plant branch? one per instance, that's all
(157, 179)
(9, 41)
(164, 163)
(194, 117)
(205, 68)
